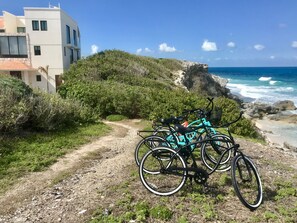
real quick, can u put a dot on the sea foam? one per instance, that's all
(265, 78)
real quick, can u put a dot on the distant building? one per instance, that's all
(39, 46)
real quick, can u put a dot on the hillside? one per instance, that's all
(116, 82)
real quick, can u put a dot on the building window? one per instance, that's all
(37, 50)
(35, 25)
(13, 47)
(74, 38)
(2, 30)
(43, 25)
(64, 51)
(38, 77)
(21, 29)
(68, 40)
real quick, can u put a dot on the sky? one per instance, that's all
(220, 33)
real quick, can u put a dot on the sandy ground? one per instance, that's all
(278, 132)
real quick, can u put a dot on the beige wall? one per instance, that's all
(52, 42)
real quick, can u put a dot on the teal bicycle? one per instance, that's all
(171, 133)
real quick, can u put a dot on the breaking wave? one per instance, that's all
(265, 78)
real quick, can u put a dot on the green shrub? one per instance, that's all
(17, 86)
(52, 112)
(14, 112)
(20, 108)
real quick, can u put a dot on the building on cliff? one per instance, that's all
(39, 46)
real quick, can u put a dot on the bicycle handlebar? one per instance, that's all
(171, 120)
(232, 122)
(177, 119)
(201, 112)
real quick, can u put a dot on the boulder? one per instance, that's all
(285, 105)
(259, 110)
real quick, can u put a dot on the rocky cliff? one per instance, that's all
(197, 79)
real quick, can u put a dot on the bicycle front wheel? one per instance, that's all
(163, 171)
(146, 144)
(246, 182)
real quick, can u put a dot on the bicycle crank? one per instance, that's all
(200, 176)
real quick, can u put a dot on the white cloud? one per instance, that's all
(231, 44)
(138, 51)
(94, 49)
(272, 57)
(294, 44)
(148, 50)
(259, 47)
(209, 46)
(165, 48)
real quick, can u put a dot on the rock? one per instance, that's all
(259, 110)
(285, 105)
(197, 79)
(222, 81)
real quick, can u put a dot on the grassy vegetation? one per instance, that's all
(130, 201)
(35, 151)
(114, 118)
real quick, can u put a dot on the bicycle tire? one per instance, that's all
(146, 144)
(163, 176)
(246, 182)
(212, 150)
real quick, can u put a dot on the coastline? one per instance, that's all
(280, 134)
(277, 122)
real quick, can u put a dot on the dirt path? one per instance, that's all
(81, 174)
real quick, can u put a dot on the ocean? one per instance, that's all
(267, 85)
(261, 84)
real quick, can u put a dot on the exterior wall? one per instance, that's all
(66, 20)
(10, 22)
(49, 42)
(55, 51)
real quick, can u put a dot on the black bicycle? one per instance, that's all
(164, 171)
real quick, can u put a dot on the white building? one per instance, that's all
(39, 46)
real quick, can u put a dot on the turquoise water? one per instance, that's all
(263, 84)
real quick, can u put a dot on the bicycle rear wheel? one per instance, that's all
(146, 144)
(246, 182)
(212, 150)
(163, 171)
